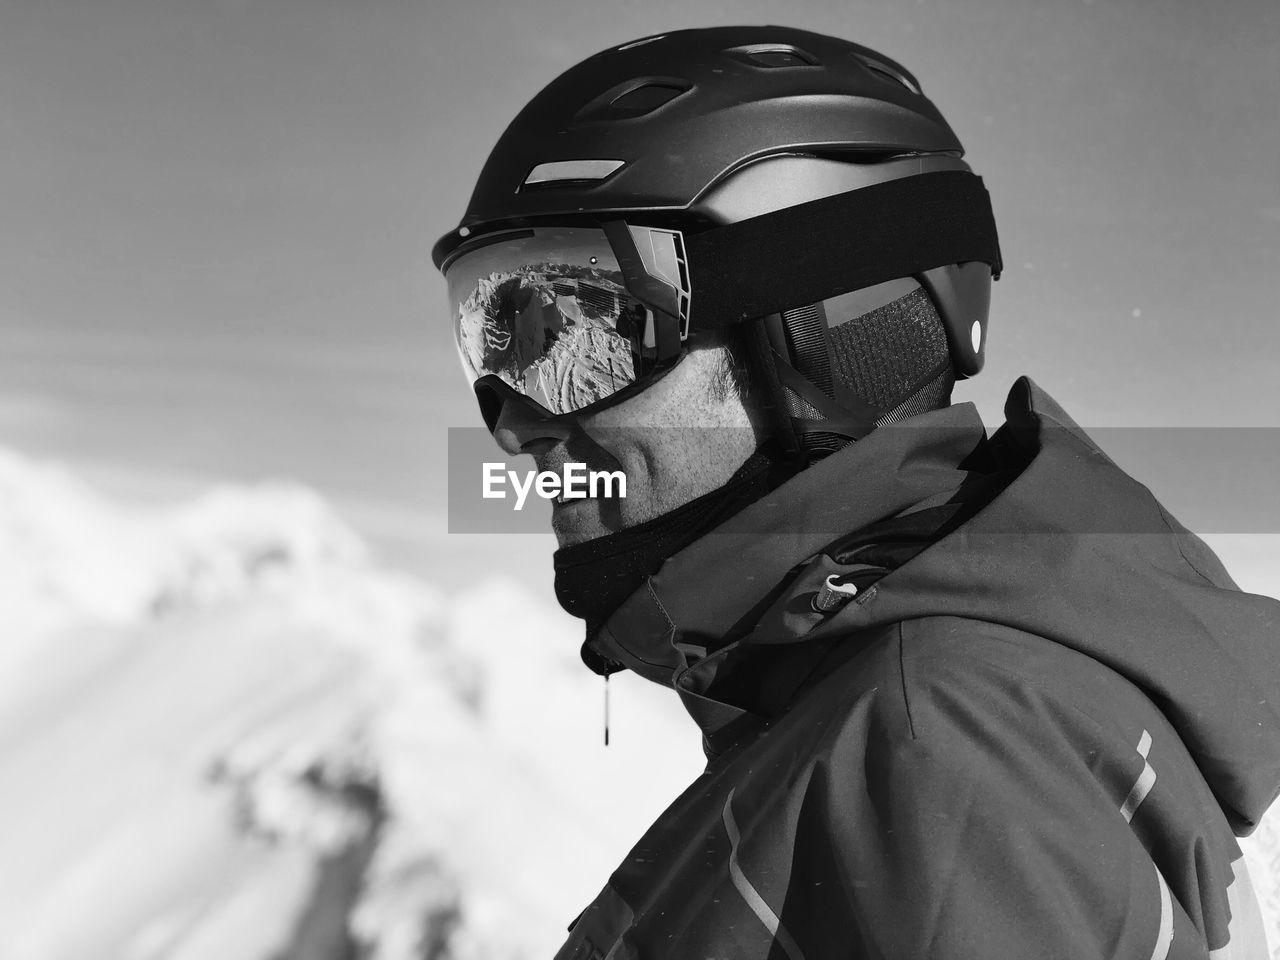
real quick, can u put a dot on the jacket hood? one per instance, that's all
(1068, 547)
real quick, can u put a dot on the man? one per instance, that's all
(960, 696)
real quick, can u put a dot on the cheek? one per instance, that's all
(646, 481)
(666, 473)
(654, 480)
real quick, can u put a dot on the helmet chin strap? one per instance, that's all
(841, 415)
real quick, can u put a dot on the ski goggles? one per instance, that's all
(568, 319)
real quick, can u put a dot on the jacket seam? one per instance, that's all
(902, 679)
(658, 601)
(1107, 725)
(1166, 519)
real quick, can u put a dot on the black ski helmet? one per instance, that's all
(797, 168)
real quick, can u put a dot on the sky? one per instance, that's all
(218, 215)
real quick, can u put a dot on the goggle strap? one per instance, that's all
(836, 244)
(851, 417)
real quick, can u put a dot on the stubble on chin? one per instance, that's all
(571, 531)
(586, 520)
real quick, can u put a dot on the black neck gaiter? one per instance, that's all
(595, 577)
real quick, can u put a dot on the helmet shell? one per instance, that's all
(681, 111)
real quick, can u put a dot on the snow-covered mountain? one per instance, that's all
(226, 730)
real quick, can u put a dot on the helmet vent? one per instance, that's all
(885, 72)
(772, 55)
(558, 171)
(634, 98)
(645, 98)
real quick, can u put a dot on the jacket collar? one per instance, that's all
(712, 593)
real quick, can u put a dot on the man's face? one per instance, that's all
(674, 441)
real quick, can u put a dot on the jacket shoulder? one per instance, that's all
(947, 679)
(986, 777)
(953, 670)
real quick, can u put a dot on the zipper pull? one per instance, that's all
(833, 594)
(606, 709)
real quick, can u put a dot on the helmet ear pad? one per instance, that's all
(829, 373)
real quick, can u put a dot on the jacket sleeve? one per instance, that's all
(979, 826)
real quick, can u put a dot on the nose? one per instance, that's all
(521, 428)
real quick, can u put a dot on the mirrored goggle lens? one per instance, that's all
(548, 312)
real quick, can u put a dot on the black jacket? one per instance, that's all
(1032, 734)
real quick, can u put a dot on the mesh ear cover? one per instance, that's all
(894, 358)
(893, 352)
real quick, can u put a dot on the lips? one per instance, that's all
(561, 501)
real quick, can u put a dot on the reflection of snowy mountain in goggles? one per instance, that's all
(548, 312)
(563, 341)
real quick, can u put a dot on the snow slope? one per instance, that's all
(202, 708)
